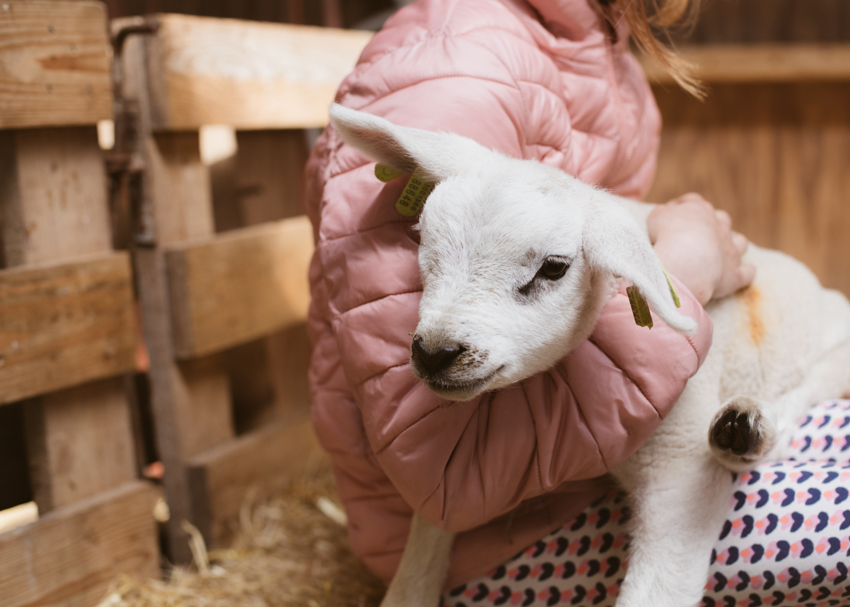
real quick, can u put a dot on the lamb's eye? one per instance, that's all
(553, 269)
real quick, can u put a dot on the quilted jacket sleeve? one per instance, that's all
(462, 464)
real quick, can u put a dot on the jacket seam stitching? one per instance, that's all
(337, 315)
(630, 378)
(381, 372)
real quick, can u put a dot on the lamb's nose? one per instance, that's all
(436, 361)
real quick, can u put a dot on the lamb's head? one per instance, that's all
(516, 258)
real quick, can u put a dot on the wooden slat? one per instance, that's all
(79, 443)
(222, 478)
(762, 63)
(239, 286)
(247, 74)
(71, 557)
(53, 195)
(54, 63)
(64, 324)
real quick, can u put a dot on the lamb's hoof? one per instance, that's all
(741, 433)
(733, 432)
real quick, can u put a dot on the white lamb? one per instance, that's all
(494, 226)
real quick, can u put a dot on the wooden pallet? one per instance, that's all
(224, 312)
(67, 322)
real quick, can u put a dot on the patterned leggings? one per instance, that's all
(786, 539)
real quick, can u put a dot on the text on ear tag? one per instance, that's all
(640, 307)
(413, 197)
(414, 194)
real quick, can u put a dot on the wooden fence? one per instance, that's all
(67, 321)
(221, 313)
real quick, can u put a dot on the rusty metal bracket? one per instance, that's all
(132, 218)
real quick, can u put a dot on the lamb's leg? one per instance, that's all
(422, 571)
(678, 512)
(747, 430)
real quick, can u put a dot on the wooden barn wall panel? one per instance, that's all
(771, 21)
(775, 156)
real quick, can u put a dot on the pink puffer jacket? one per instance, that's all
(537, 79)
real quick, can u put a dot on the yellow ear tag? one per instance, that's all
(414, 194)
(673, 290)
(640, 307)
(385, 173)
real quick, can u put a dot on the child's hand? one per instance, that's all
(695, 242)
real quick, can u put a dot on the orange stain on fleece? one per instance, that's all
(752, 299)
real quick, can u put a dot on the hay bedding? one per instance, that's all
(288, 553)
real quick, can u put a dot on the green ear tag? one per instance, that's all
(673, 290)
(670, 285)
(385, 173)
(640, 307)
(413, 197)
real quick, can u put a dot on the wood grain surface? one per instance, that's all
(80, 443)
(71, 557)
(64, 324)
(246, 74)
(53, 194)
(775, 156)
(55, 60)
(760, 63)
(239, 286)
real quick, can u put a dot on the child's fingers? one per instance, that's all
(740, 242)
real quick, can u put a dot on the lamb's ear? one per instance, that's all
(436, 156)
(614, 243)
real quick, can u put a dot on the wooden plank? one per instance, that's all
(266, 459)
(55, 63)
(247, 74)
(58, 425)
(180, 187)
(239, 286)
(270, 173)
(71, 556)
(773, 156)
(64, 324)
(53, 195)
(761, 63)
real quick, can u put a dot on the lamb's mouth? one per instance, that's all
(461, 390)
